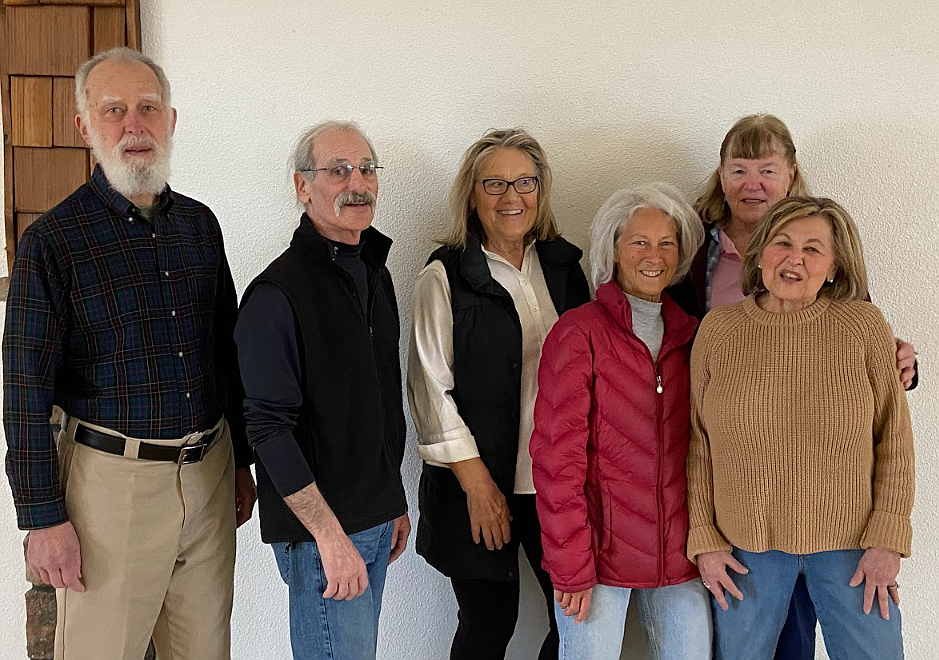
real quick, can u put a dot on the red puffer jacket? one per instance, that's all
(611, 435)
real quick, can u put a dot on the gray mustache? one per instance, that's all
(347, 198)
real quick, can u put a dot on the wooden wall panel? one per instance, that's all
(84, 2)
(64, 131)
(44, 177)
(24, 220)
(31, 111)
(133, 25)
(47, 41)
(21, 2)
(107, 28)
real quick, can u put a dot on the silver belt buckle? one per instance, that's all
(192, 454)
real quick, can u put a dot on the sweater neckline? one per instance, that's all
(761, 316)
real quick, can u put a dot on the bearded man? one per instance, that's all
(318, 345)
(121, 311)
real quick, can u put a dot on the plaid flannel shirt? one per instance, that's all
(121, 321)
(714, 256)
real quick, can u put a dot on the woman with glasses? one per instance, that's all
(611, 439)
(483, 306)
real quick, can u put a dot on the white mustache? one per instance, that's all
(347, 198)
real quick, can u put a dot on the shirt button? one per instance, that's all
(130, 219)
(187, 395)
(180, 354)
(173, 313)
(166, 272)
(152, 235)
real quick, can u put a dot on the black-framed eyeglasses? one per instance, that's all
(523, 185)
(342, 171)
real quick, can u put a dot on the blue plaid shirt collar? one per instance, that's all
(117, 201)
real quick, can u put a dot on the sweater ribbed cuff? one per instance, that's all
(888, 530)
(705, 538)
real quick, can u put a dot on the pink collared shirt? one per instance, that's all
(725, 282)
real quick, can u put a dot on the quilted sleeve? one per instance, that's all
(559, 454)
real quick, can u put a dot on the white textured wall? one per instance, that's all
(618, 93)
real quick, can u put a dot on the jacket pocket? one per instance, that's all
(606, 534)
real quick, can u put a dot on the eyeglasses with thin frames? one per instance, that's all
(342, 171)
(523, 185)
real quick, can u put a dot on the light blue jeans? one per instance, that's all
(327, 629)
(750, 628)
(677, 620)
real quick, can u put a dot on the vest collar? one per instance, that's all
(475, 269)
(306, 238)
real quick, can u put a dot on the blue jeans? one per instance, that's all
(797, 639)
(327, 629)
(676, 619)
(750, 628)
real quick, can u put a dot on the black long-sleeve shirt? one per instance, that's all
(271, 372)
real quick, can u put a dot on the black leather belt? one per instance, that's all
(147, 451)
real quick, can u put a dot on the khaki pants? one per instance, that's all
(157, 554)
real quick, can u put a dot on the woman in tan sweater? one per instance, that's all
(801, 456)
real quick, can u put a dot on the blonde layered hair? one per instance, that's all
(464, 220)
(752, 137)
(850, 280)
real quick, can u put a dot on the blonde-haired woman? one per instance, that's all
(801, 457)
(483, 306)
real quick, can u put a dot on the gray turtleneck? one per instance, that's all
(647, 323)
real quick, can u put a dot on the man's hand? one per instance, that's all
(713, 567)
(399, 536)
(346, 576)
(245, 495)
(906, 361)
(55, 556)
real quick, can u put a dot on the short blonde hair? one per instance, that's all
(850, 280)
(464, 220)
(611, 219)
(753, 136)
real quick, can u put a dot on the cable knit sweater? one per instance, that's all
(801, 438)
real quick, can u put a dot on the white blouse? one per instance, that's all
(442, 435)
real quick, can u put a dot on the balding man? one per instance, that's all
(318, 345)
(121, 311)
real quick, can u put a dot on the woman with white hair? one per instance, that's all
(611, 438)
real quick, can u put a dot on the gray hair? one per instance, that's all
(303, 160)
(120, 54)
(611, 219)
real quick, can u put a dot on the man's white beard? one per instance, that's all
(134, 177)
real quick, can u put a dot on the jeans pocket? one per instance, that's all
(282, 557)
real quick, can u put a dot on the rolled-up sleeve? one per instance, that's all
(269, 360)
(443, 437)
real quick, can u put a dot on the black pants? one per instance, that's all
(489, 608)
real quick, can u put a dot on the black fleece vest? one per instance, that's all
(487, 370)
(351, 424)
